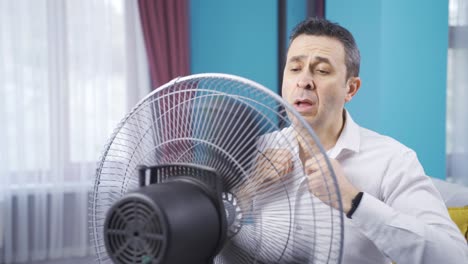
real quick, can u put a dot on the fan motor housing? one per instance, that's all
(178, 223)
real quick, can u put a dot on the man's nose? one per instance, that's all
(305, 81)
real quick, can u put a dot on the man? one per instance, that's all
(394, 213)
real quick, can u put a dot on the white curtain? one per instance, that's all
(69, 72)
(457, 93)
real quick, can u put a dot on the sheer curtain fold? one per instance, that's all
(457, 93)
(69, 72)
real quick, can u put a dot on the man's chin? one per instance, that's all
(309, 119)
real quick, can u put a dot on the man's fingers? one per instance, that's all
(318, 176)
(279, 160)
(313, 165)
(272, 166)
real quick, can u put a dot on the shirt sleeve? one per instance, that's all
(410, 223)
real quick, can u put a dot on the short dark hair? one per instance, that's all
(322, 27)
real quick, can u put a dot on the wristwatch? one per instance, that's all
(354, 204)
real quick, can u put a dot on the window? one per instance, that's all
(69, 72)
(457, 93)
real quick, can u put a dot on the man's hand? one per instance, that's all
(321, 182)
(272, 166)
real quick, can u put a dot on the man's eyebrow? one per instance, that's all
(297, 58)
(303, 57)
(322, 59)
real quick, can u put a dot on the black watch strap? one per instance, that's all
(354, 204)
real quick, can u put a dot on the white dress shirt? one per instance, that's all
(401, 216)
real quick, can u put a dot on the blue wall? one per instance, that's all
(296, 11)
(403, 47)
(235, 37)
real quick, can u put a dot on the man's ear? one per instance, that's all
(352, 85)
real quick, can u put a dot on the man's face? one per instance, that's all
(314, 80)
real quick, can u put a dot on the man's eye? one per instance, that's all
(295, 69)
(322, 71)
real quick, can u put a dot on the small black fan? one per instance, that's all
(178, 181)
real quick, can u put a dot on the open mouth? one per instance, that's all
(303, 105)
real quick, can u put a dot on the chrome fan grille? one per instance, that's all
(224, 122)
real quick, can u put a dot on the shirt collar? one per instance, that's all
(349, 138)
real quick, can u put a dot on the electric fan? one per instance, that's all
(196, 174)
